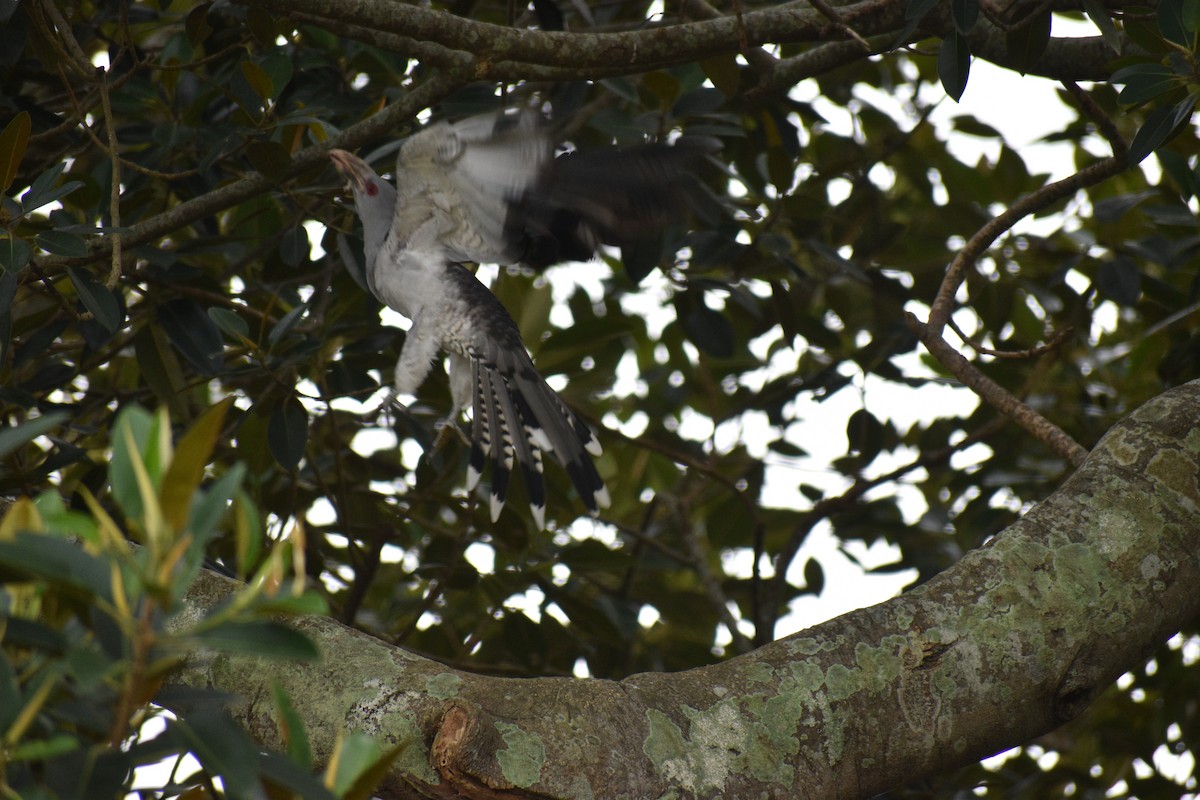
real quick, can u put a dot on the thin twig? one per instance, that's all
(1051, 344)
(996, 395)
(833, 16)
(114, 199)
(712, 587)
(64, 42)
(1104, 124)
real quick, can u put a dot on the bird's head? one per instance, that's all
(364, 183)
(374, 199)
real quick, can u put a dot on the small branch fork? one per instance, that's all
(930, 332)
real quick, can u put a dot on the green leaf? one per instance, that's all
(182, 480)
(13, 141)
(44, 191)
(10, 695)
(262, 25)
(363, 787)
(864, 434)
(723, 71)
(1172, 24)
(291, 728)
(954, 64)
(285, 325)
(965, 13)
(308, 603)
(814, 576)
(97, 298)
(57, 560)
(230, 322)
(61, 243)
(1173, 164)
(193, 333)
(270, 159)
(39, 749)
(1144, 82)
(1099, 15)
(160, 368)
(356, 752)
(707, 329)
(32, 635)
(285, 772)
(248, 532)
(259, 81)
(1120, 280)
(121, 475)
(278, 67)
(196, 24)
(1027, 41)
(1160, 125)
(914, 12)
(287, 433)
(61, 519)
(917, 9)
(294, 248)
(699, 102)
(212, 504)
(262, 638)
(14, 254)
(12, 438)
(225, 750)
(1191, 15)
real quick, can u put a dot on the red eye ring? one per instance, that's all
(372, 189)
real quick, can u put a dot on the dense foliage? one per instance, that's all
(165, 181)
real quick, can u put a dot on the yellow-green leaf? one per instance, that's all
(723, 71)
(13, 141)
(258, 79)
(187, 467)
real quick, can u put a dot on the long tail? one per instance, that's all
(517, 418)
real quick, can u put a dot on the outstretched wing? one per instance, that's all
(489, 189)
(465, 177)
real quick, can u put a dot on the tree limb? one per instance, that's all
(521, 53)
(636, 51)
(1043, 617)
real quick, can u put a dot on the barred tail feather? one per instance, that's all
(516, 419)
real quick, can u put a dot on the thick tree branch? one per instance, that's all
(507, 53)
(635, 51)
(1042, 618)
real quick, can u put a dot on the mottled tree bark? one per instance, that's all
(432, 35)
(1012, 641)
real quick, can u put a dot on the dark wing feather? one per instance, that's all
(615, 196)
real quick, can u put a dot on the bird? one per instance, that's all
(490, 189)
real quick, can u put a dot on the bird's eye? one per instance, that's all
(372, 189)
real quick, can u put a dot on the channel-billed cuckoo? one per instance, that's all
(490, 189)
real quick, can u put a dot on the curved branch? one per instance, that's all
(1048, 195)
(1044, 617)
(633, 51)
(507, 53)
